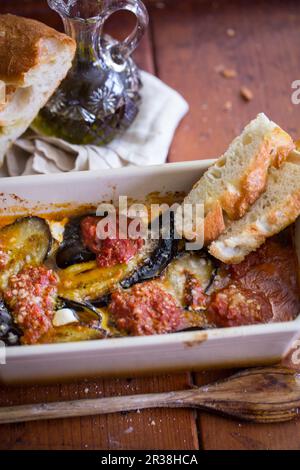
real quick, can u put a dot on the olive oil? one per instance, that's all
(92, 105)
(100, 97)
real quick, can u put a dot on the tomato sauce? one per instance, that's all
(31, 295)
(263, 288)
(194, 295)
(109, 251)
(146, 309)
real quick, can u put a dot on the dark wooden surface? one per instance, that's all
(186, 46)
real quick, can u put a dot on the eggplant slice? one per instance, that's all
(170, 265)
(87, 327)
(82, 280)
(154, 265)
(71, 333)
(84, 312)
(155, 257)
(175, 280)
(72, 250)
(201, 268)
(86, 281)
(166, 250)
(10, 333)
(188, 264)
(161, 259)
(198, 265)
(27, 241)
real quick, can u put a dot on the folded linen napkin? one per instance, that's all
(146, 142)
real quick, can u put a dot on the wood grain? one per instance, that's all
(148, 429)
(218, 433)
(258, 395)
(186, 45)
(192, 37)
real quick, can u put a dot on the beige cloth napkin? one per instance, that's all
(146, 142)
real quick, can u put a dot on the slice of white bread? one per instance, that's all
(238, 178)
(34, 59)
(278, 207)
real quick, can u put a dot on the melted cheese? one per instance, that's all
(64, 316)
(57, 229)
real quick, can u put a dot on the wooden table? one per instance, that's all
(187, 44)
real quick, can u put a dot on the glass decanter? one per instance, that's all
(99, 98)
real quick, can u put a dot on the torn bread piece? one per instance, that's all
(238, 178)
(34, 59)
(277, 208)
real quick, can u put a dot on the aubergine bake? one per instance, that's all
(60, 283)
(82, 288)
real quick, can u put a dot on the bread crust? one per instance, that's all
(228, 194)
(214, 224)
(253, 183)
(21, 46)
(279, 218)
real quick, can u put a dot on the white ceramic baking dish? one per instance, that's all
(246, 345)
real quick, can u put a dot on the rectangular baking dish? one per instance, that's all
(227, 347)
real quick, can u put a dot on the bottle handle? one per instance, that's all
(117, 53)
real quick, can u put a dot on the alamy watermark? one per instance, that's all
(135, 221)
(295, 97)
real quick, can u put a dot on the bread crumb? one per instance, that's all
(246, 93)
(227, 106)
(230, 32)
(153, 423)
(128, 430)
(228, 73)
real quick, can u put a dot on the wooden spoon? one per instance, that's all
(261, 395)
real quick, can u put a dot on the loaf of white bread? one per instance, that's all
(277, 207)
(34, 59)
(235, 181)
(249, 194)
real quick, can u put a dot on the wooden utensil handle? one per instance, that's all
(262, 395)
(86, 407)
